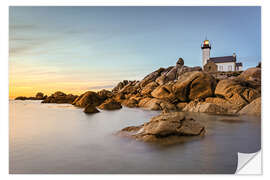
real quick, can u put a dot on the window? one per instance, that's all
(230, 68)
(220, 68)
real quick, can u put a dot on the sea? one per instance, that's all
(62, 139)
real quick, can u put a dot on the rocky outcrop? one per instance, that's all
(189, 88)
(236, 91)
(254, 108)
(194, 85)
(87, 98)
(166, 128)
(110, 104)
(60, 97)
(90, 109)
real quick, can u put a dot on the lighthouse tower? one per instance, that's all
(206, 47)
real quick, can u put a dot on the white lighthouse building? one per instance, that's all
(206, 47)
(224, 63)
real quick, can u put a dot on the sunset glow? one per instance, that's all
(75, 49)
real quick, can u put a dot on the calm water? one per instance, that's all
(53, 138)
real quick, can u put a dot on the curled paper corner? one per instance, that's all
(249, 163)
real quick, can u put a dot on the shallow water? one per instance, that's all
(53, 138)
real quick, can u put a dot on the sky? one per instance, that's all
(75, 49)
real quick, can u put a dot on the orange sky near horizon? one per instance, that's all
(25, 80)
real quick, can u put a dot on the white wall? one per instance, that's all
(230, 66)
(239, 68)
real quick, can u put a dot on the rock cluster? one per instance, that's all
(60, 97)
(190, 89)
(39, 96)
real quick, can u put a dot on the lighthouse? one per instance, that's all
(206, 47)
(223, 63)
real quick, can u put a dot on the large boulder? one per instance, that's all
(146, 90)
(251, 74)
(110, 104)
(171, 75)
(236, 91)
(155, 104)
(39, 96)
(254, 108)
(185, 69)
(119, 97)
(105, 94)
(132, 101)
(203, 107)
(180, 63)
(150, 77)
(87, 98)
(166, 128)
(163, 78)
(231, 108)
(164, 92)
(194, 85)
(90, 109)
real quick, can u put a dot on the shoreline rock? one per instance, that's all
(166, 128)
(39, 96)
(60, 98)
